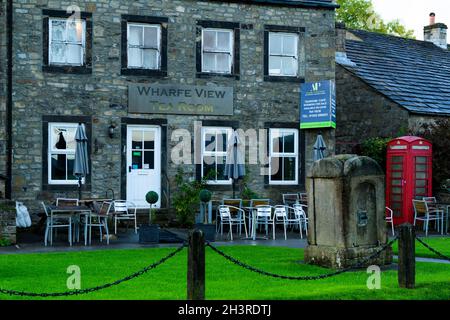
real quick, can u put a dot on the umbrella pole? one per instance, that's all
(79, 188)
(234, 189)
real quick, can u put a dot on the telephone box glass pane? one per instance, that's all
(421, 175)
(397, 159)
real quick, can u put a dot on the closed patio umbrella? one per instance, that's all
(235, 165)
(319, 148)
(81, 163)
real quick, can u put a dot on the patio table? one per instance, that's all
(71, 210)
(252, 224)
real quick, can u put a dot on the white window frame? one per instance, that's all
(295, 57)
(273, 154)
(230, 51)
(50, 41)
(142, 48)
(206, 153)
(52, 151)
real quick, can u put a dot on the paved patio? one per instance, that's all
(34, 243)
(127, 239)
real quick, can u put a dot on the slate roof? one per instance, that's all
(415, 74)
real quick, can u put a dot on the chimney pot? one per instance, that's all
(432, 18)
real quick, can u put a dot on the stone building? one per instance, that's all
(388, 86)
(144, 75)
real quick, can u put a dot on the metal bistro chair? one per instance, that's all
(55, 222)
(235, 203)
(290, 198)
(121, 210)
(280, 216)
(300, 218)
(226, 218)
(67, 202)
(263, 217)
(390, 219)
(423, 213)
(100, 218)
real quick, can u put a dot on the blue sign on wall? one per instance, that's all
(318, 105)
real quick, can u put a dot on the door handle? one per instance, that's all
(129, 168)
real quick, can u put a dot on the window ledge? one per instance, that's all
(143, 72)
(284, 79)
(67, 69)
(207, 75)
(65, 187)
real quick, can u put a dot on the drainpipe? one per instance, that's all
(9, 28)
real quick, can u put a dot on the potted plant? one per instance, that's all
(150, 233)
(208, 228)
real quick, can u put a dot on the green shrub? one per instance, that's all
(376, 149)
(4, 242)
(438, 134)
(247, 193)
(187, 197)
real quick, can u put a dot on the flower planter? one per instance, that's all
(149, 233)
(209, 230)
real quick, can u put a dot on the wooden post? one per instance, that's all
(196, 266)
(407, 256)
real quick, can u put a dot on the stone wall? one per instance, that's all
(8, 221)
(363, 113)
(3, 93)
(417, 121)
(256, 101)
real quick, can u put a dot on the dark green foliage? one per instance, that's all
(4, 242)
(151, 197)
(376, 149)
(247, 193)
(205, 195)
(438, 134)
(187, 197)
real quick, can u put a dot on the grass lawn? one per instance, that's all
(441, 244)
(47, 272)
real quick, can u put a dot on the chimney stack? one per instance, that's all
(436, 32)
(341, 54)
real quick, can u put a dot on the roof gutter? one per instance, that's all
(287, 3)
(9, 55)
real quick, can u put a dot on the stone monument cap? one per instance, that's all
(345, 165)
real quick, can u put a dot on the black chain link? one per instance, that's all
(432, 250)
(303, 278)
(97, 288)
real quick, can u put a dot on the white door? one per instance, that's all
(143, 163)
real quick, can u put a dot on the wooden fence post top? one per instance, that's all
(406, 256)
(196, 266)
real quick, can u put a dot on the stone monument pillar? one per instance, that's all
(346, 210)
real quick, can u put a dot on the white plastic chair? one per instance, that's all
(390, 219)
(226, 218)
(121, 210)
(423, 213)
(54, 222)
(280, 216)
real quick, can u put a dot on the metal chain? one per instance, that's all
(302, 278)
(97, 288)
(432, 250)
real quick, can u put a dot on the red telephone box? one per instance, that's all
(409, 175)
